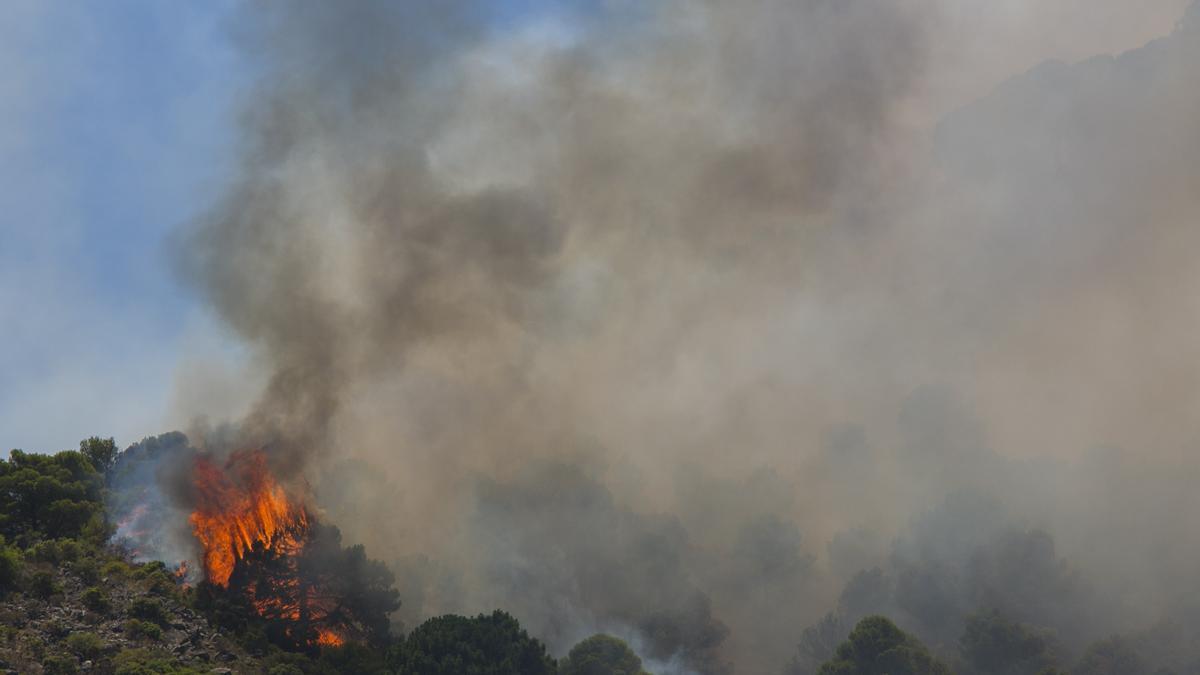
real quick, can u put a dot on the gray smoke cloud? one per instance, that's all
(671, 319)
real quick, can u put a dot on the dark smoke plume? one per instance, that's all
(674, 319)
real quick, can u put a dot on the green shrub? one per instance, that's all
(156, 578)
(10, 567)
(145, 662)
(56, 551)
(85, 645)
(59, 665)
(43, 585)
(137, 629)
(96, 600)
(145, 570)
(148, 610)
(87, 569)
(116, 569)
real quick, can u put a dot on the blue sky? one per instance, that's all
(116, 127)
(114, 130)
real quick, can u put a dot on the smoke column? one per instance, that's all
(672, 319)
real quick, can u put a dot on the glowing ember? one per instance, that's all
(239, 507)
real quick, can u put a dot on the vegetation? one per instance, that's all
(67, 599)
(877, 646)
(491, 644)
(601, 655)
(992, 645)
(49, 496)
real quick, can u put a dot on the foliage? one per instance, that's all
(877, 646)
(59, 665)
(492, 644)
(102, 452)
(156, 578)
(137, 629)
(47, 496)
(43, 585)
(116, 568)
(339, 589)
(144, 662)
(87, 569)
(992, 645)
(55, 551)
(352, 658)
(96, 600)
(85, 645)
(601, 655)
(150, 610)
(10, 567)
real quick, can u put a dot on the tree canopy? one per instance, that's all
(993, 645)
(488, 644)
(48, 496)
(877, 646)
(601, 655)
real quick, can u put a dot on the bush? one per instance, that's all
(59, 665)
(10, 567)
(87, 569)
(148, 610)
(96, 600)
(351, 658)
(147, 569)
(137, 629)
(85, 645)
(116, 569)
(156, 578)
(42, 585)
(143, 662)
(56, 551)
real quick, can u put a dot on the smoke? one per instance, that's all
(669, 319)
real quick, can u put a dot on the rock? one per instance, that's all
(86, 665)
(221, 671)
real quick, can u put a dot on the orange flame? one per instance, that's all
(239, 506)
(328, 638)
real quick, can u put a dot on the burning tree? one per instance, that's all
(264, 550)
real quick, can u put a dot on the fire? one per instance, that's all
(328, 638)
(241, 506)
(254, 537)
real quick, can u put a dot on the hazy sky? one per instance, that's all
(116, 124)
